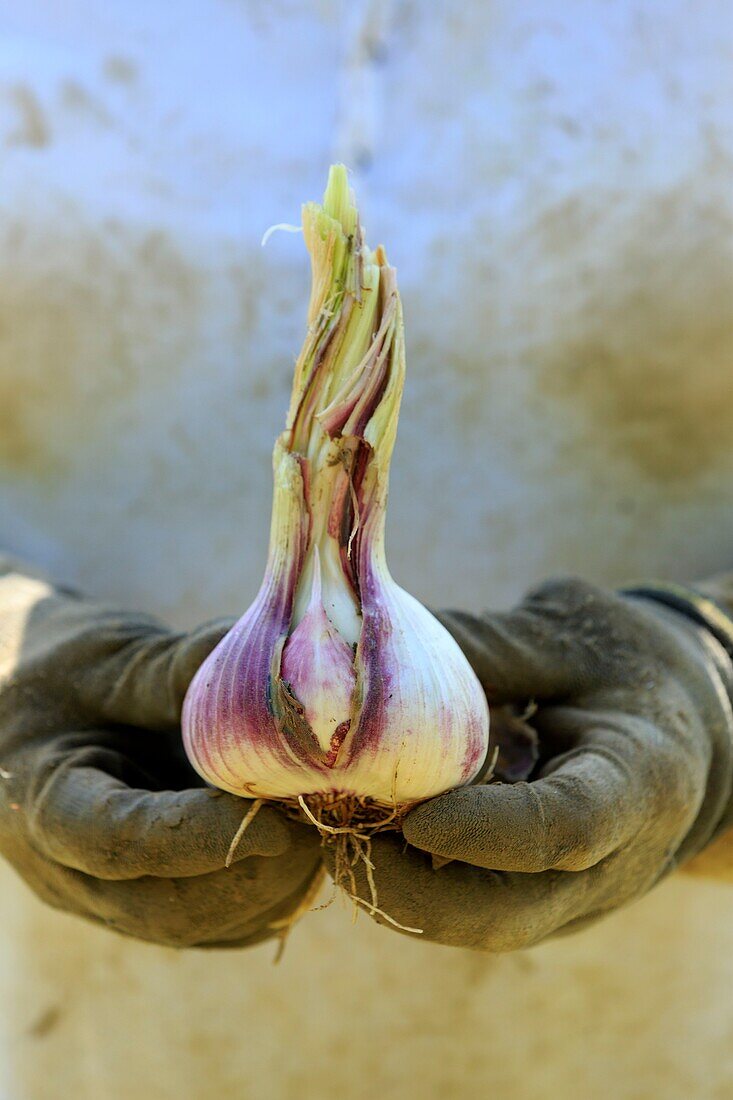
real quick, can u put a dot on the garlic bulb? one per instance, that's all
(336, 683)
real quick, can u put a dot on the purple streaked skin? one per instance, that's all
(231, 692)
(378, 657)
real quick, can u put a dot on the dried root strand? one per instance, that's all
(247, 821)
(488, 775)
(350, 852)
(352, 846)
(346, 825)
(284, 927)
(348, 814)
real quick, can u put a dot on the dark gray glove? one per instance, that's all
(99, 811)
(635, 774)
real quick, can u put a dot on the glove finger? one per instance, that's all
(591, 804)
(471, 907)
(549, 647)
(90, 820)
(139, 676)
(236, 906)
(126, 669)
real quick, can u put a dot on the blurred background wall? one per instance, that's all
(553, 183)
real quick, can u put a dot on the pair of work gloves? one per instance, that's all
(102, 816)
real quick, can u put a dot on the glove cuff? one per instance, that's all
(702, 609)
(696, 605)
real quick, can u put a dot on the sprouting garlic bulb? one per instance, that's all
(336, 681)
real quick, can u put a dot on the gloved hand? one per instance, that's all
(99, 811)
(635, 774)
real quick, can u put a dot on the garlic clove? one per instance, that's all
(318, 666)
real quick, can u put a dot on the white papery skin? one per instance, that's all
(336, 681)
